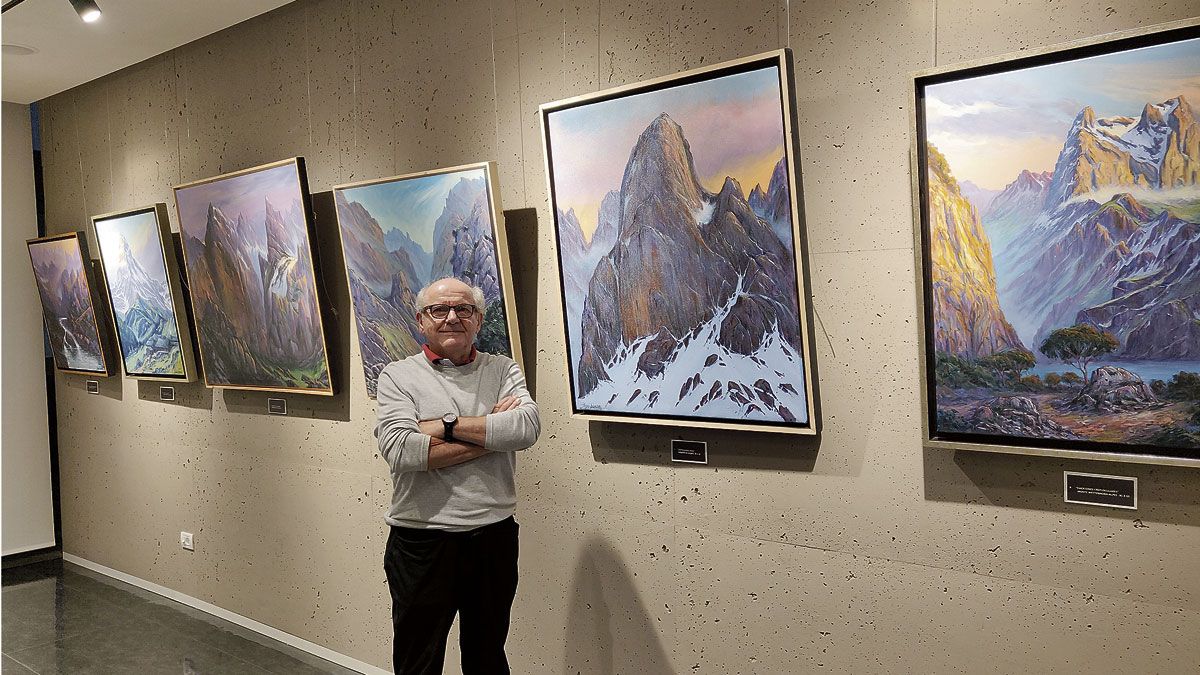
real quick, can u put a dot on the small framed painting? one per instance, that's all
(144, 295)
(63, 275)
(680, 251)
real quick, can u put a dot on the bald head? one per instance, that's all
(453, 335)
(449, 284)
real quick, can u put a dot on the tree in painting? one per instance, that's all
(680, 287)
(1063, 231)
(253, 289)
(402, 233)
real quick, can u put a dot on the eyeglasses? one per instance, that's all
(440, 312)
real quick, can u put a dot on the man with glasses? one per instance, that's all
(450, 422)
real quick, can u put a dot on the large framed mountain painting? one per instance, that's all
(1059, 242)
(679, 248)
(62, 274)
(252, 280)
(144, 294)
(399, 234)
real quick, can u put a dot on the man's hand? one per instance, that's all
(505, 404)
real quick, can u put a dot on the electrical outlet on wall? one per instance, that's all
(185, 540)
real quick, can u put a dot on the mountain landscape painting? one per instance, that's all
(399, 234)
(1062, 251)
(252, 281)
(67, 303)
(140, 293)
(677, 249)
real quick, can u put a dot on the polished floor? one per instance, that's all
(61, 618)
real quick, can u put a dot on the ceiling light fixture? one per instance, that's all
(88, 10)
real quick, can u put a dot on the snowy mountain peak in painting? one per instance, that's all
(130, 284)
(1159, 150)
(676, 237)
(659, 374)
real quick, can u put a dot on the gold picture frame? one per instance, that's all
(779, 62)
(375, 362)
(323, 376)
(77, 253)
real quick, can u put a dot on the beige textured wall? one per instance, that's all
(860, 553)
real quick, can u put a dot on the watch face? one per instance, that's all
(449, 418)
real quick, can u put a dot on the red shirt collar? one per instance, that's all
(434, 357)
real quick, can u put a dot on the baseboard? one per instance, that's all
(219, 612)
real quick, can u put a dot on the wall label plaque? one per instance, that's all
(166, 393)
(277, 406)
(1119, 492)
(93, 386)
(689, 452)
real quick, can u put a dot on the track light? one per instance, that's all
(88, 10)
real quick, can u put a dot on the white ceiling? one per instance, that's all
(70, 52)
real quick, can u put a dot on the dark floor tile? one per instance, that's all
(138, 646)
(10, 666)
(32, 572)
(43, 611)
(61, 612)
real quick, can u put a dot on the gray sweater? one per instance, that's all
(468, 495)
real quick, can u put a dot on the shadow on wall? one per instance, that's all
(520, 227)
(335, 313)
(187, 394)
(651, 445)
(1167, 494)
(110, 385)
(608, 630)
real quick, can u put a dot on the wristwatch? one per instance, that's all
(448, 422)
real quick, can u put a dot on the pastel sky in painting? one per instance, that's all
(991, 127)
(242, 195)
(61, 254)
(413, 204)
(141, 231)
(733, 124)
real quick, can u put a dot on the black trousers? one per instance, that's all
(434, 574)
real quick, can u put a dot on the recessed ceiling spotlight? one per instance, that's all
(17, 50)
(88, 10)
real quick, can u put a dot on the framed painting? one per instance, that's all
(1057, 199)
(400, 233)
(680, 257)
(144, 295)
(63, 275)
(249, 262)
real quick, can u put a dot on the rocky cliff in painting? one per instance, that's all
(464, 244)
(1121, 260)
(695, 305)
(1159, 150)
(67, 305)
(256, 308)
(383, 286)
(967, 318)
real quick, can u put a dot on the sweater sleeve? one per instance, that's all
(518, 428)
(401, 443)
